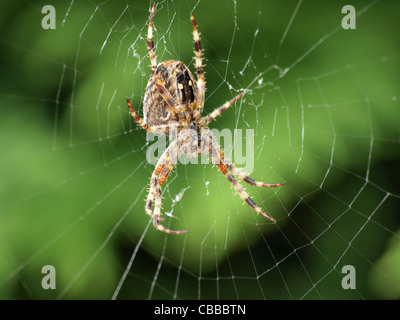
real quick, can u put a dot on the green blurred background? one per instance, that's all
(324, 106)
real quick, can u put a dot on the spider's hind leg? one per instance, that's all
(157, 128)
(150, 43)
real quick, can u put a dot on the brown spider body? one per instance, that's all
(176, 79)
(174, 99)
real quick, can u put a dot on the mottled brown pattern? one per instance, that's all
(173, 74)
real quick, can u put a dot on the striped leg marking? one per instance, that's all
(159, 176)
(218, 159)
(150, 43)
(201, 84)
(218, 111)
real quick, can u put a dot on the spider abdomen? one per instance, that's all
(179, 82)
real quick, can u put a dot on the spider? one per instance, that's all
(174, 101)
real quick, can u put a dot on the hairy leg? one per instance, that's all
(163, 168)
(207, 119)
(218, 159)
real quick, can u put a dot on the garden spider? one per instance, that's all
(174, 101)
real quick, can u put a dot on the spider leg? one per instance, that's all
(217, 157)
(150, 43)
(163, 167)
(140, 121)
(201, 84)
(157, 204)
(152, 193)
(237, 172)
(219, 110)
(197, 48)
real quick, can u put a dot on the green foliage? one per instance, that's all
(74, 171)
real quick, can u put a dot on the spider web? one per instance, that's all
(324, 106)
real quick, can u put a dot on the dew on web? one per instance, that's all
(175, 200)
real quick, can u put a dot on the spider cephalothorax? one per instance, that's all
(173, 104)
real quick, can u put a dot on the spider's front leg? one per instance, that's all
(237, 172)
(163, 168)
(223, 165)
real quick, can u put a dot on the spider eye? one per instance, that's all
(185, 87)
